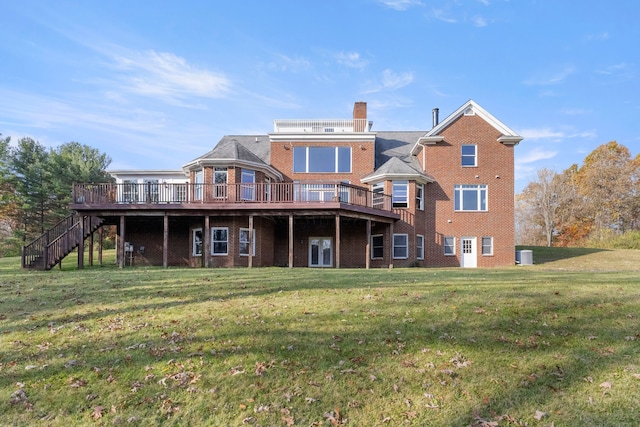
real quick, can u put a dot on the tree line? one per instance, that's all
(36, 185)
(582, 205)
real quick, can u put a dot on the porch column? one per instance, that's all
(291, 241)
(391, 245)
(100, 243)
(338, 241)
(121, 255)
(90, 245)
(250, 261)
(165, 241)
(206, 236)
(81, 244)
(367, 255)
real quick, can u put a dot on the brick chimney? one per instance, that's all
(360, 110)
(359, 116)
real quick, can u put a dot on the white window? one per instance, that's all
(267, 189)
(197, 242)
(198, 188)
(244, 242)
(219, 241)
(449, 244)
(248, 189)
(469, 155)
(130, 191)
(420, 196)
(220, 183)
(322, 159)
(377, 194)
(419, 246)
(377, 246)
(400, 194)
(400, 246)
(470, 197)
(487, 246)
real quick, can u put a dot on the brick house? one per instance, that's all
(324, 193)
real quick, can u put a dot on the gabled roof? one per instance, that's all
(508, 137)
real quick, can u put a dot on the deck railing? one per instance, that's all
(260, 193)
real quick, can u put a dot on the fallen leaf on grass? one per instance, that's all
(605, 384)
(97, 412)
(335, 418)
(539, 415)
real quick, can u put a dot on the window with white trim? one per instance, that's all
(377, 194)
(247, 188)
(377, 246)
(198, 188)
(322, 159)
(487, 246)
(470, 197)
(197, 242)
(449, 245)
(220, 183)
(469, 155)
(130, 191)
(400, 246)
(419, 246)
(244, 242)
(420, 197)
(219, 241)
(400, 194)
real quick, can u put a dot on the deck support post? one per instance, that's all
(250, 260)
(100, 243)
(367, 246)
(121, 254)
(206, 237)
(81, 243)
(391, 245)
(165, 241)
(337, 240)
(290, 240)
(90, 244)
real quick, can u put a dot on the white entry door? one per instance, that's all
(469, 253)
(320, 252)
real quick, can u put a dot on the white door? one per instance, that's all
(320, 252)
(468, 251)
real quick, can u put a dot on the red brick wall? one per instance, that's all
(443, 161)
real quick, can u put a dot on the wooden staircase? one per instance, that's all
(59, 241)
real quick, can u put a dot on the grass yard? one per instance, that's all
(553, 344)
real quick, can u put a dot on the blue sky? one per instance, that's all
(155, 84)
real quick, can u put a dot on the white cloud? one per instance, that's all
(542, 133)
(168, 76)
(599, 36)
(535, 155)
(551, 78)
(442, 15)
(401, 5)
(351, 59)
(611, 69)
(391, 81)
(479, 21)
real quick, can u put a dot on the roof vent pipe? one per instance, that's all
(436, 120)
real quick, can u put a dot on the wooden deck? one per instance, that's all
(252, 198)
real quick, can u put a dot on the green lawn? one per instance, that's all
(556, 343)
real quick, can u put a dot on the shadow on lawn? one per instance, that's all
(543, 254)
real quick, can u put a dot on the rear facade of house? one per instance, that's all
(324, 193)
